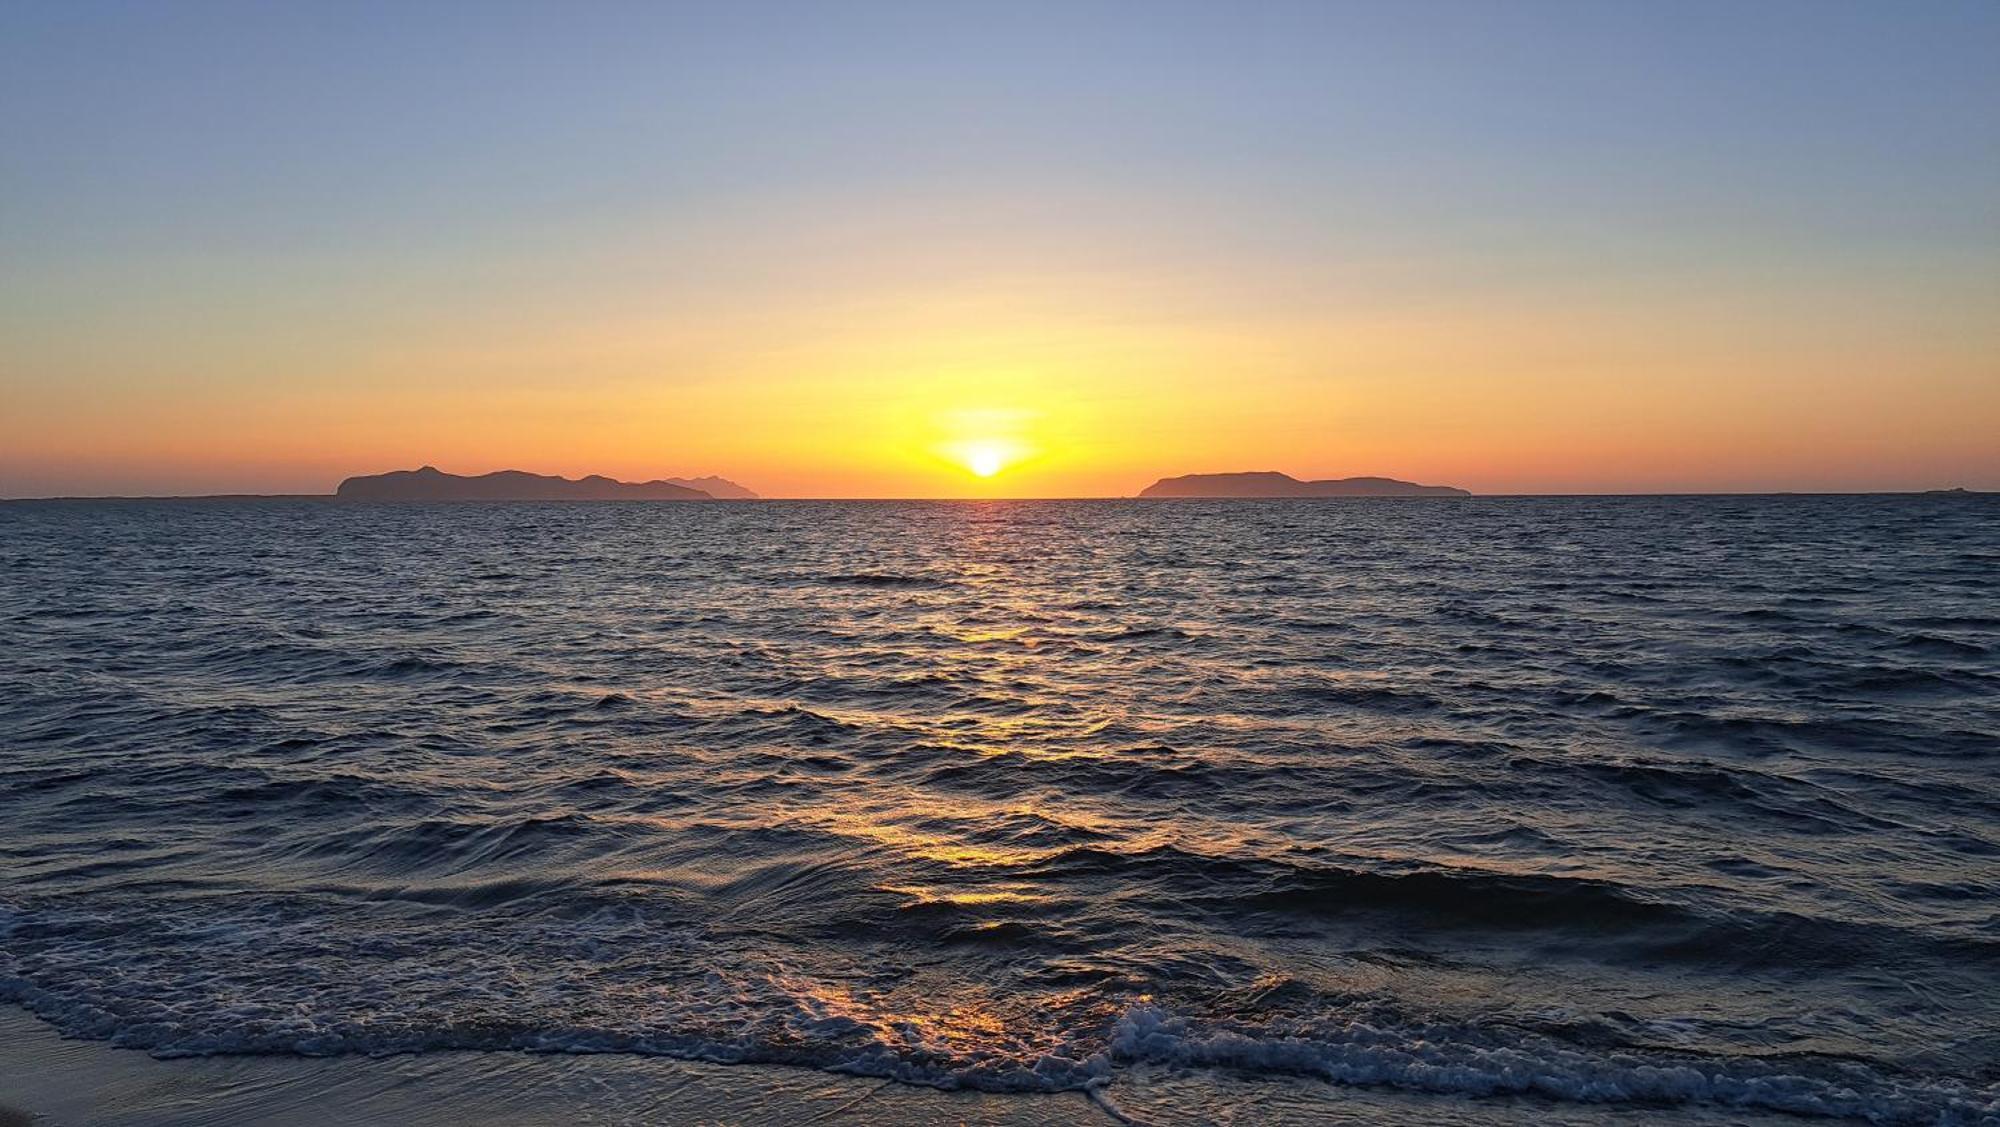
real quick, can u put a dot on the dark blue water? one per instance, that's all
(1670, 801)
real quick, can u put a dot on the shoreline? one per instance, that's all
(49, 1080)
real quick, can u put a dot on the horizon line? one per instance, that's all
(334, 497)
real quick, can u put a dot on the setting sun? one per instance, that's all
(984, 440)
(985, 459)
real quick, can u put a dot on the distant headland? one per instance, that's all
(1270, 483)
(432, 484)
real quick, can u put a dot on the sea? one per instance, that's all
(1616, 802)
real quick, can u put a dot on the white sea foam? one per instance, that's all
(788, 1019)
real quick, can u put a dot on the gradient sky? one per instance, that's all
(819, 248)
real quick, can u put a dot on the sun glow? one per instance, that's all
(984, 440)
(985, 458)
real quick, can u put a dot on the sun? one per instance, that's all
(985, 442)
(985, 458)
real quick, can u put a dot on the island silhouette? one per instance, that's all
(720, 488)
(1270, 483)
(429, 483)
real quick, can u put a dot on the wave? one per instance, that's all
(1485, 1065)
(879, 579)
(1614, 919)
(821, 1031)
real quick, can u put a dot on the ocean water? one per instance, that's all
(1647, 801)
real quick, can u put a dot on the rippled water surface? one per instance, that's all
(1676, 801)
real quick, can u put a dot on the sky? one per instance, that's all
(867, 249)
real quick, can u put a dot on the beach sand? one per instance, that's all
(50, 1081)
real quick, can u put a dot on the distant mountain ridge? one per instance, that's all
(432, 484)
(1270, 483)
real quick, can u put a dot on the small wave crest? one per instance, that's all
(1479, 1063)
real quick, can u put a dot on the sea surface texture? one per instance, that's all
(1669, 802)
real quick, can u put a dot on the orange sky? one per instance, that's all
(1092, 381)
